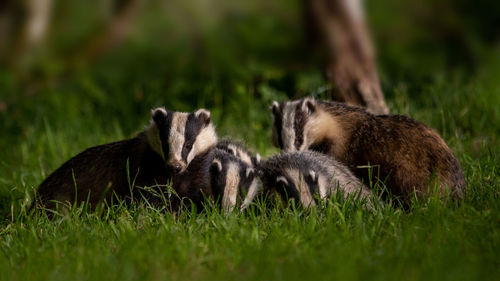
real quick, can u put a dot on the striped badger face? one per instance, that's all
(291, 126)
(232, 178)
(179, 137)
(300, 185)
(303, 175)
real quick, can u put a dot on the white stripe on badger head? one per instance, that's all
(207, 138)
(253, 190)
(154, 140)
(231, 187)
(306, 198)
(324, 190)
(288, 130)
(176, 138)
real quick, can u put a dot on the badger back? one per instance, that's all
(231, 178)
(178, 137)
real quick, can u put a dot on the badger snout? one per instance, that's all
(177, 166)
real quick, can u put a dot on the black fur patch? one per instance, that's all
(218, 180)
(245, 181)
(278, 123)
(193, 128)
(313, 186)
(288, 191)
(322, 146)
(164, 123)
(298, 125)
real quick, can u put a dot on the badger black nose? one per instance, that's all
(177, 168)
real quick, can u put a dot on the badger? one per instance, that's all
(406, 154)
(306, 176)
(239, 150)
(232, 178)
(163, 150)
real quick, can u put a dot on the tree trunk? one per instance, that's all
(339, 28)
(116, 30)
(23, 27)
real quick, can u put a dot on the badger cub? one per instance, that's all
(408, 155)
(239, 150)
(164, 149)
(301, 175)
(232, 178)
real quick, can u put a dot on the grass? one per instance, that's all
(433, 240)
(47, 120)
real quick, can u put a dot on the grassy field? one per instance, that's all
(57, 110)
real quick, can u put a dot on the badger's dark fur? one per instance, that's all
(171, 142)
(194, 184)
(301, 175)
(239, 150)
(407, 155)
(232, 178)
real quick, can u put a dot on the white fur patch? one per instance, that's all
(282, 179)
(231, 188)
(287, 130)
(207, 138)
(253, 190)
(323, 186)
(323, 125)
(176, 138)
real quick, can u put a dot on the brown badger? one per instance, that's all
(410, 156)
(165, 148)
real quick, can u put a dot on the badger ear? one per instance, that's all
(309, 105)
(249, 171)
(232, 151)
(216, 166)
(203, 115)
(159, 115)
(312, 174)
(275, 108)
(282, 179)
(257, 158)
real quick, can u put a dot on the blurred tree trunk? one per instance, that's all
(23, 27)
(114, 32)
(339, 29)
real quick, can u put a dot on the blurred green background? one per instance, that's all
(100, 67)
(81, 85)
